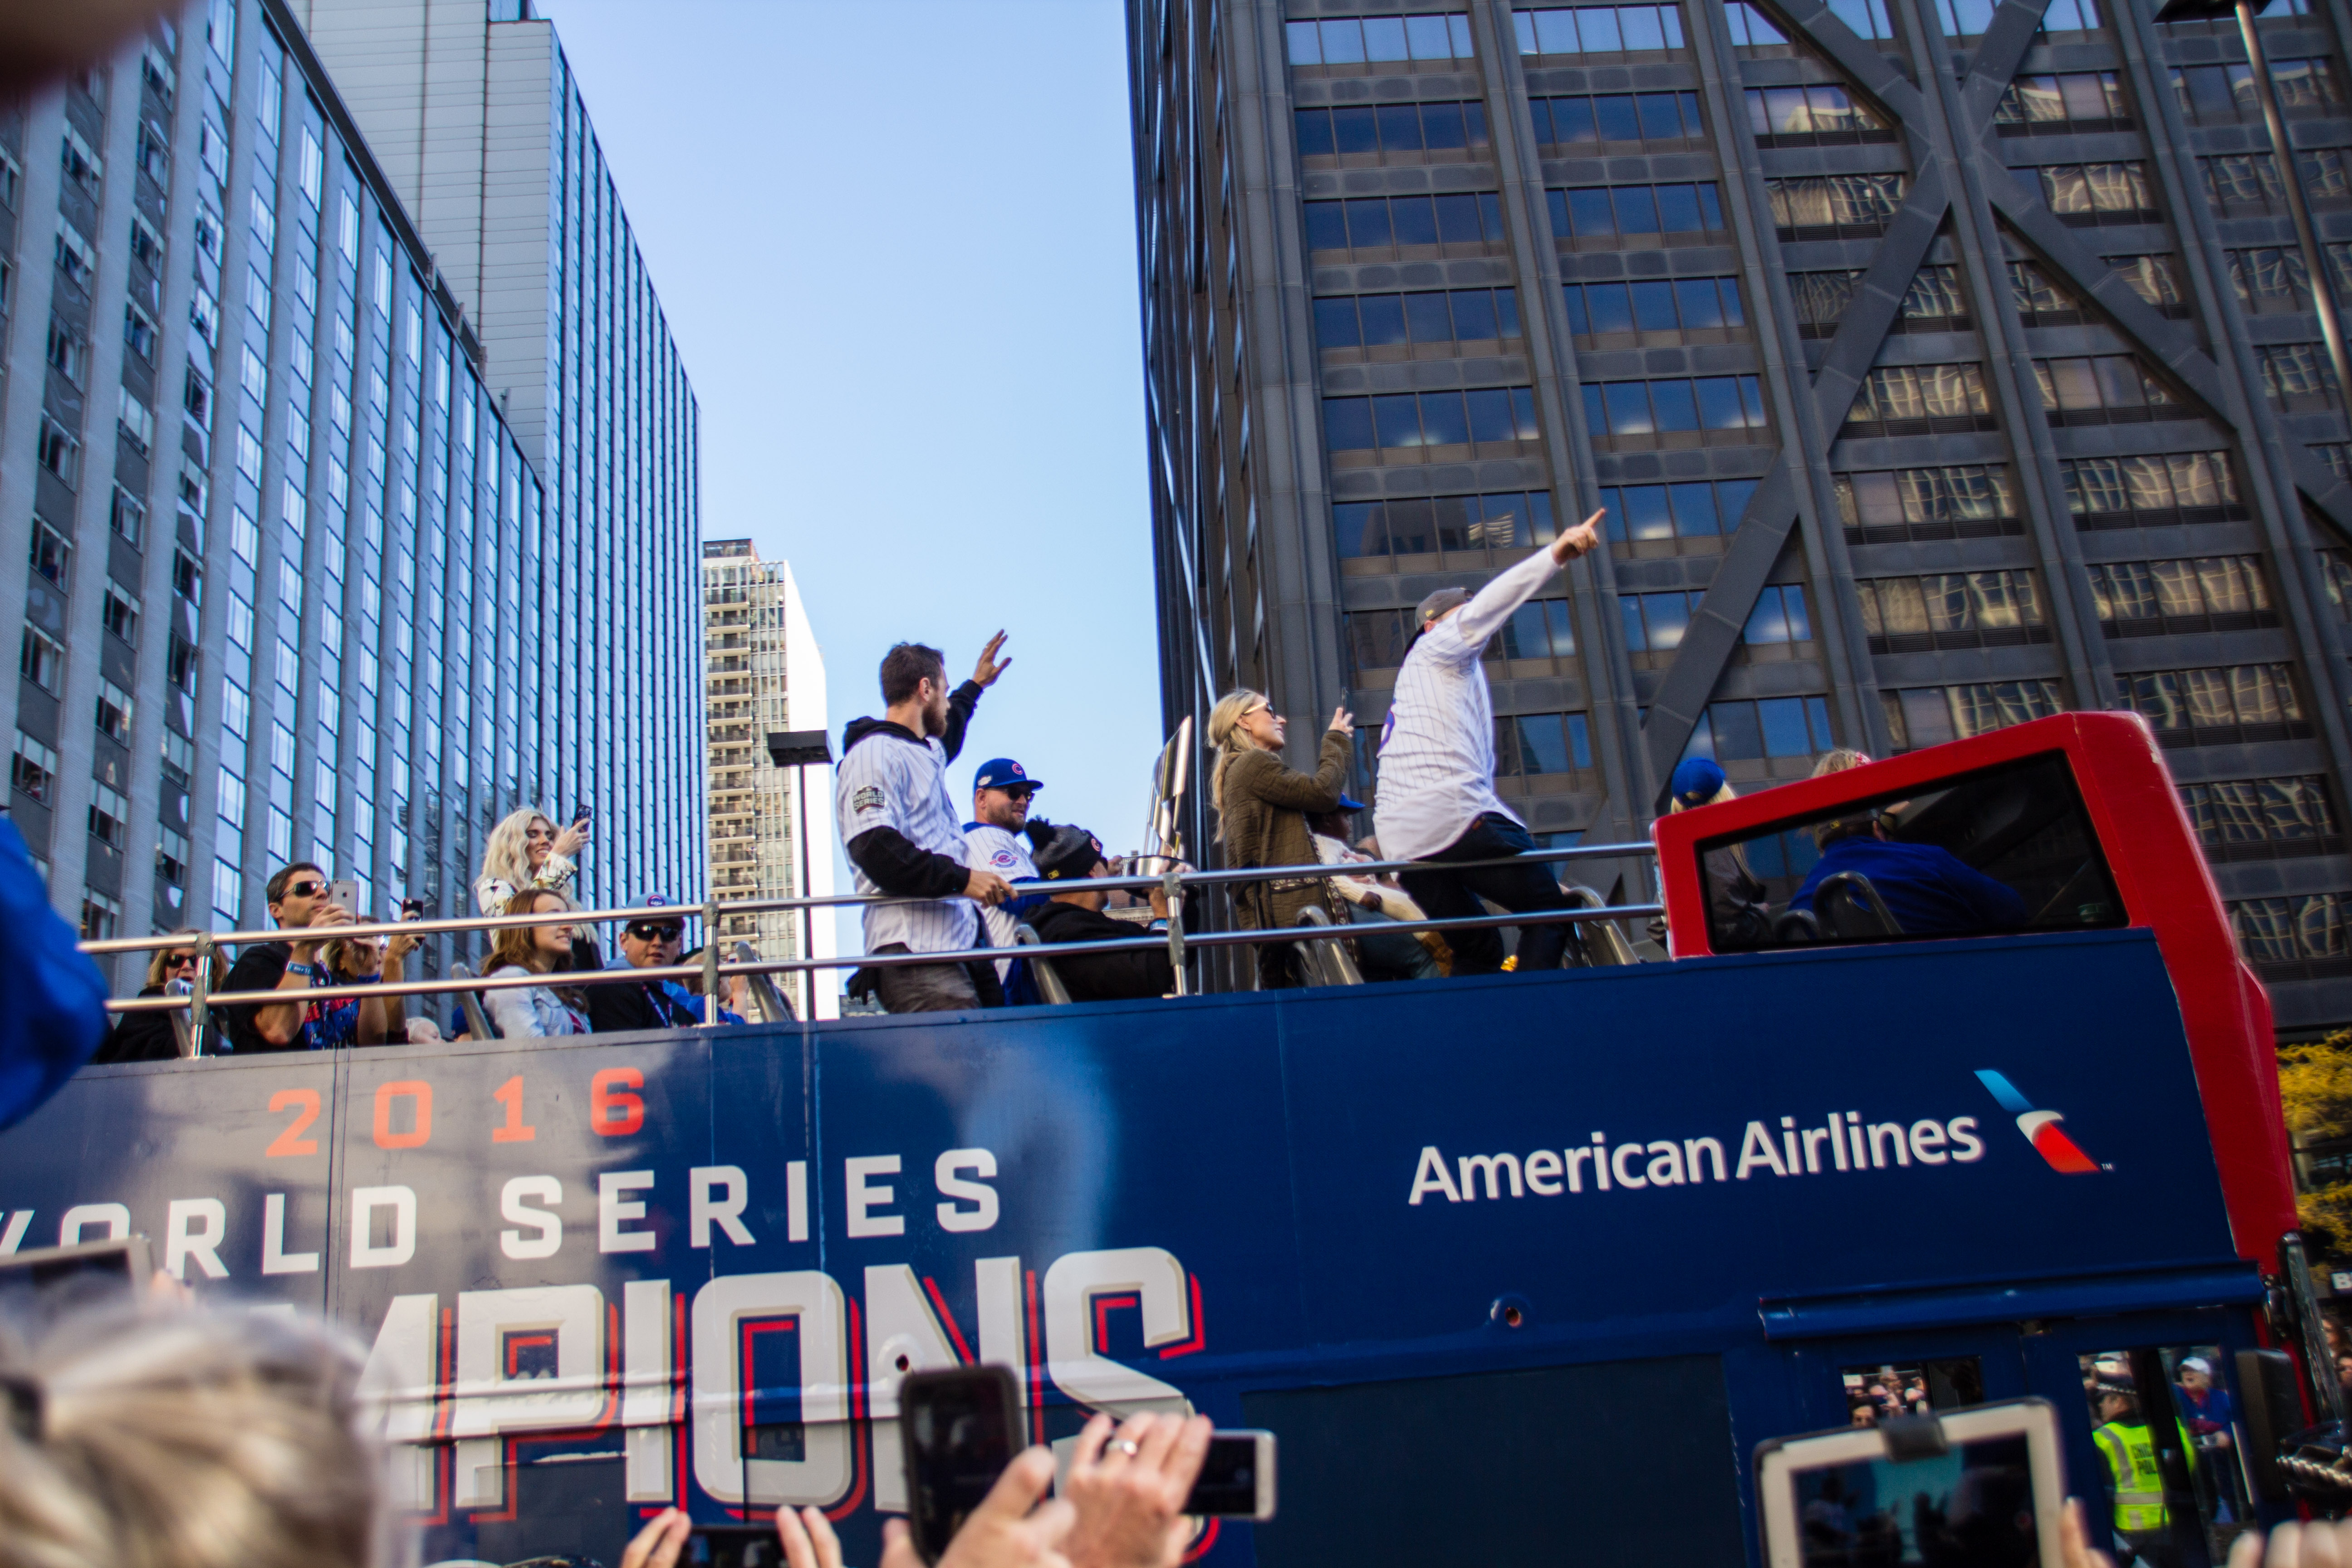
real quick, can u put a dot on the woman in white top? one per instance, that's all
(526, 850)
(537, 1011)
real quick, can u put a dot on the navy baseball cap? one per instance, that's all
(1697, 781)
(1003, 774)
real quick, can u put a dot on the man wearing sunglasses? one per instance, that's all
(297, 902)
(993, 842)
(650, 1004)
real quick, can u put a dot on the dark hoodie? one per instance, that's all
(887, 854)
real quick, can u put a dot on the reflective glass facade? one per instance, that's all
(296, 589)
(1941, 365)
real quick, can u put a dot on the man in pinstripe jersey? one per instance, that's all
(904, 837)
(1437, 799)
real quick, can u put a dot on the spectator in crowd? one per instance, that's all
(1068, 854)
(2205, 1405)
(297, 895)
(150, 1036)
(1262, 809)
(536, 1011)
(179, 1438)
(649, 1005)
(1373, 901)
(365, 961)
(890, 799)
(55, 1015)
(1437, 799)
(1929, 890)
(735, 1009)
(527, 850)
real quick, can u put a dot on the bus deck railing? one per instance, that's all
(1173, 883)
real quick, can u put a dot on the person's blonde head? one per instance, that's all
(1229, 738)
(191, 1439)
(1839, 760)
(1675, 804)
(159, 967)
(507, 856)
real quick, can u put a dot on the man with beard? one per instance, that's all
(890, 799)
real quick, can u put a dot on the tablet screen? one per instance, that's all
(1970, 1508)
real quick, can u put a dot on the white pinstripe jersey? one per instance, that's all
(1437, 749)
(887, 781)
(1006, 853)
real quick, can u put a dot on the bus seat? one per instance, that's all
(1849, 908)
(1593, 944)
(478, 1022)
(776, 1007)
(1792, 926)
(1049, 980)
(1328, 963)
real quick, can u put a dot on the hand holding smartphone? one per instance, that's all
(344, 892)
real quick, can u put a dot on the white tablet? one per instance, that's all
(1990, 1499)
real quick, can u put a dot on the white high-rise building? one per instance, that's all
(762, 675)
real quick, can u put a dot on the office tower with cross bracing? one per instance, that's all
(1942, 364)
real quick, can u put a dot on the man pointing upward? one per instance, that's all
(1437, 799)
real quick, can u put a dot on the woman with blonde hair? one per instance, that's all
(534, 1012)
(1262, 812)
(148, 1036)
(1735, 894)
(527, 850)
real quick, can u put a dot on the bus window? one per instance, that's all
(2163, 1421)
(2006, 849)
(1874, 1393)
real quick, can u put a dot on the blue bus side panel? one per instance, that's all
(1213, 1200)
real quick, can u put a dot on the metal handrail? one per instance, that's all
(1172, 882)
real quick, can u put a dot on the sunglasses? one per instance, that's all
(180, 961)
(646, 931)
(1018, 792)
(309, 887)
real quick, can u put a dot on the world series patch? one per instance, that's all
(866, 799)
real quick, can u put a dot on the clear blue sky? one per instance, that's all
(896, 242)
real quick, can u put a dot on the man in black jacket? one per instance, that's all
(1072, 854)
(906, 840)
(646, 944)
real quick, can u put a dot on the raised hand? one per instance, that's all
(1008, 1529)
(1130, 1491)
(659, 1543)
(1582, 540)
(808, 1538)
(990, 667)
(1343, 721)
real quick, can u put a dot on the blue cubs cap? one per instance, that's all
(651, 901)
(1349, 802)
(1697, 781)
(1003, 774)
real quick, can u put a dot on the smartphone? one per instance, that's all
(1991, 1476)
(734, 1546)
(961, 1427)
(346, 892)
(582, 814)
(41, 1286)
(1236, 1479)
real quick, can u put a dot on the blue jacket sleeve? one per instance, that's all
(1995, 904)
(54, 1013)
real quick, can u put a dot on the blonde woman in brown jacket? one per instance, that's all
(1262, 812)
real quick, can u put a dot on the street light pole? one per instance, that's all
(802, 750)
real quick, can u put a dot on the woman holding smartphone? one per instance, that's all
(534, 1012)
(527, 850)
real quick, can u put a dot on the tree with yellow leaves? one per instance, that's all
(2315, 1092)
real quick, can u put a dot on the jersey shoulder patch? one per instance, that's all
(870, 798)
(1003, 857)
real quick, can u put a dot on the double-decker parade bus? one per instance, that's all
(1517, 1268)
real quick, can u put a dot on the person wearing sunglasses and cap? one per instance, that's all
(994, 842)
(1070, 858)
(1436, 797)
(649, 943)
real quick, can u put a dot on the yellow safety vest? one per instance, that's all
(2138, 1484)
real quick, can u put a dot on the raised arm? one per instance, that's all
(1484, 615)
(1276, 785)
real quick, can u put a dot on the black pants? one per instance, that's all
(1452, 895)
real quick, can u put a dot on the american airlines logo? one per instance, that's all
(2041, 1128)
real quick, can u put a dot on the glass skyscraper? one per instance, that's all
(1940, 364)
(295, 588)
(481, 130)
